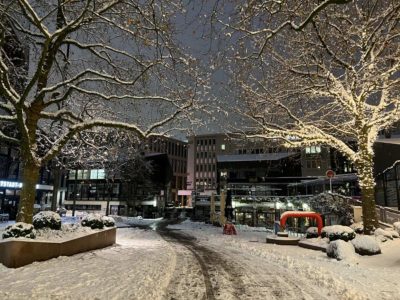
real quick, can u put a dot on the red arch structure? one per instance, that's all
(302, 214)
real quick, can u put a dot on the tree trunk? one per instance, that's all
(30, 176)
(56, 187)
(367, 186)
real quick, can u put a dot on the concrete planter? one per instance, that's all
(16, 253)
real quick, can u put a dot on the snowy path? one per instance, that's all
(212, 272)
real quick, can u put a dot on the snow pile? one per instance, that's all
(383, 235)
(392, 232)
(366, 245)
(247, 228)
(338, 232)
(47, 219)
(20, 229)
(340, 250)
(396, 226)
(67, 231)
(139, 221)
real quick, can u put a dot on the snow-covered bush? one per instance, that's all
(333, 204)
(19, 229)
(384, 233)
(366, 245)
(47, 219)
(357, 227)
(97, 221)
(340, 250)
(394, 233)
(312, 232)
(108, 221)
(338, 232)
(93, 221)
(396, 226)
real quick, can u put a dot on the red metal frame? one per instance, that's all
(303, 215)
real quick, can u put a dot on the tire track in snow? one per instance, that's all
(222, 278)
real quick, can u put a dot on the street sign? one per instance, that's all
(330, 174)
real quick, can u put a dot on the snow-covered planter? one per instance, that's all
(366, 245)
(312, 232)
(108, 221)
(384, 233)
(357, 227)
(340, 250)
(93, 221)
(47, 219)
(338, 232)
(19, 229)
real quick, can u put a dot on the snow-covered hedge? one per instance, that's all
(312, 232)
(338, 232)
(340, 250)
(19, 229)
(366, 245)
(47, 219)
(97, 221)
(108, 221)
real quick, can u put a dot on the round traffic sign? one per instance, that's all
(330, 174)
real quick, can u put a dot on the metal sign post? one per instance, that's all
(330, 174)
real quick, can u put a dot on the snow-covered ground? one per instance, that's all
(142, 265)
(361, 277)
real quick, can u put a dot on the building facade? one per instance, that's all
(133, 190)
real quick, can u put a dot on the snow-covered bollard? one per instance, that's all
(19, 229)
(340, 250)
(47, 219)
(366, 245)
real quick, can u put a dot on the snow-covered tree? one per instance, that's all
(313, 76)
(108, 63)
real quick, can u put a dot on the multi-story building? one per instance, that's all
(142, 194)
(177, 152)
(202, 161)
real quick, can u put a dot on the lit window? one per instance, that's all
(222, 146)
(313, 149)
